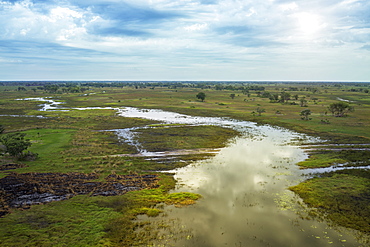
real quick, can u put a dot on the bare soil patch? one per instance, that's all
(5, 167)
(24, 190)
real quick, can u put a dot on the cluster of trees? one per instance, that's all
(339, 109)
(53, 88)
(282, 97)
(239, 87)
(66, 88)
(359, 90)
(15, 144)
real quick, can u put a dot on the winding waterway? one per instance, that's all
(245, 197)
(245, 200)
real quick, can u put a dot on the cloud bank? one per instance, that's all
(185, 40)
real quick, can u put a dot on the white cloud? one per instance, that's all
(24, 21)
(289, 6)
(59, 13)
(241, 35)
(196, 27)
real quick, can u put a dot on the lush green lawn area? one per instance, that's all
(48, 143)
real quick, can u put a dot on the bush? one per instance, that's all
(29, 156)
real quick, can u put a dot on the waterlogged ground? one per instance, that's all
(245, 200)
(245, 197)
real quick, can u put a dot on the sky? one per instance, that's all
(266, 40)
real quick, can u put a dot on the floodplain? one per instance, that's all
(87, 133)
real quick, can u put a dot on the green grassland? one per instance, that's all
(72, 141)
(184, 137)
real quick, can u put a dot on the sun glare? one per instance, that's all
(309, 23)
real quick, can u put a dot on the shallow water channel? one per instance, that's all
(245, 197)
(245, 200)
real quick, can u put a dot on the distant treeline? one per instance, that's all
(244, 86)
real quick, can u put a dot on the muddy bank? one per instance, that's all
(23, 190)
(170, 154)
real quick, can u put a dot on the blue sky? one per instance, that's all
(325, 40)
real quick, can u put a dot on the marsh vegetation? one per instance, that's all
(79, 136)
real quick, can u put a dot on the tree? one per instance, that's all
(274, 97)
(260, 111)
(15, 143)
(284, 97)
(232, 95)
(305, 114)
(51, 88)
(340, 109)
(303, 102)
(219, 87)
(1, 129)
(265, 95)
(201, 96)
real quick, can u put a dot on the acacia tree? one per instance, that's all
(340, 109)
(201, 96)
(303, 102)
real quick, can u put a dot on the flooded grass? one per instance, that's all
(342, 196)
(327, 158)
